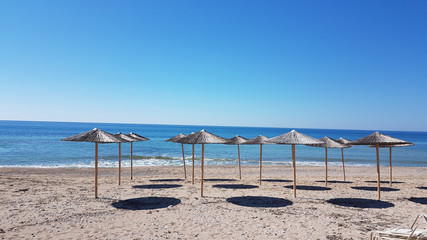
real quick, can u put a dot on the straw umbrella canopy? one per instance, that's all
(237, 140)
(96, 136)
(137, 138)
(329, 143)
(175, 139)
(259, 140)
(294, 138)
(344, 141)
(202, 137)
(392, 146)
(378, 139)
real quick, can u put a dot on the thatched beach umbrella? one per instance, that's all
(175, 139)
(328, 143)
(343, 141)
(294, 138)
(125, 138)
(96, 136)
(202, 137)
(378, 139)
(392, 146)
(138, 138)
(259, 140)
(237, 140)
(348, 143)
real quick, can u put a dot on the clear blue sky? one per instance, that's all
(298, 64)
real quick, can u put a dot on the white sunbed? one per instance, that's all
(412, 233)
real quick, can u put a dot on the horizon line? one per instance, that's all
(53, 121)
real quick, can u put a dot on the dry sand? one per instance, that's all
(60, 203)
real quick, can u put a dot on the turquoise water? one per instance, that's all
(38, 144)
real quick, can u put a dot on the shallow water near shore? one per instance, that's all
(38, 144)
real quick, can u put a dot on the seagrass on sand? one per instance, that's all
(96, 136)
(237, 140)
(330, 143)
(378, 139)
(202, 137)
(259, 140)
(294, 138)
(175, 139)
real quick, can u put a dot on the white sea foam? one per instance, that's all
(176, 161)
(49, 166)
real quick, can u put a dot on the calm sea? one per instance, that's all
(38, 144)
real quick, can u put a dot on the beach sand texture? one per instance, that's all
(159, 204)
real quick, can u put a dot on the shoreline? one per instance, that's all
(251, 168)
(159, 203)
(126, 164)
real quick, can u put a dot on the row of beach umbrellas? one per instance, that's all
(203, 137)
(98, 136)
(291, 138)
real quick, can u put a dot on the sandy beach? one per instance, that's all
(160, 204)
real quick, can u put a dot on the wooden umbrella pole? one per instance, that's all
(294, 166)
(193, 164)
(120, 160)
(203, 162)
(131, 160)
(183, 159)
(96, 170)
(326, 166)
(240, 168)
(342, 156)
(260, 165)
(391, 171)
(378, 173)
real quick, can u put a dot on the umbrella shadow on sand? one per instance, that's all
(146, 203)
(309, 188)
(234, 186)
(276, 180)
(259, 201)
(333, 181)
(219, 180)
(167, 180)
(157, 186)
(360, 203)
(383, 182)
(418, 200)
(374, 189)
